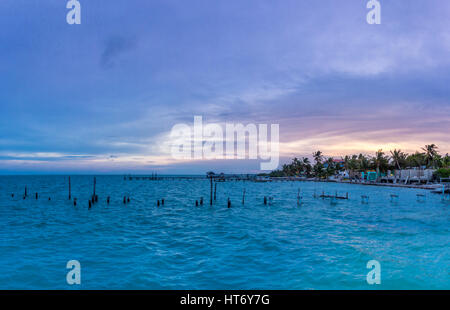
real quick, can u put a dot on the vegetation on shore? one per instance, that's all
(323, 167)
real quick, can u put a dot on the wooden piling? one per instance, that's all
(394, 198)
(36, 196)
(157, 203)
(211, 194)
(420, 197)
(265, 200)
(124, 200)
(201, 201)
(107, 199)
(243, 197)
(196, 203)
(90, 204)
(162, 201)
(229, 203)
(215, 190)
(25, 194)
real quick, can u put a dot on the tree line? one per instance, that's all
(323, 167)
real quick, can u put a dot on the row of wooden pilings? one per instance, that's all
(213, 196)
(126, 199)
(25, 194)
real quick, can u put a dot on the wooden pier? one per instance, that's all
(215, 178)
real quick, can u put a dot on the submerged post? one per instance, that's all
(364, 199)
(229, 203)
(243, 197)
(215, 190)
(211, 194)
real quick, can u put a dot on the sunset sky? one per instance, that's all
(102, 97)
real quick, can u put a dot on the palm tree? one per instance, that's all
(380, 161)
(286, 170)
(297, 166)
(430, 153)
(346, 160)
(306, 166)
(353, 164)
(398, 157)
(318, 167)
(331, 169)
(445, 161)
(318, 157)
(416, 160)
(363, 162)
(306, 161)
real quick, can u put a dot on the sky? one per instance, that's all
(103, 96)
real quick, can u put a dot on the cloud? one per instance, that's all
(315, 67)
(114, 47)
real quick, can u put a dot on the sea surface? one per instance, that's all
(320, 244)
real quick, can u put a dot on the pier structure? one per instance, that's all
(215, 177)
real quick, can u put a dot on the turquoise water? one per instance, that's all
(318, 245)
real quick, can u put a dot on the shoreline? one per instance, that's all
(419, 186)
